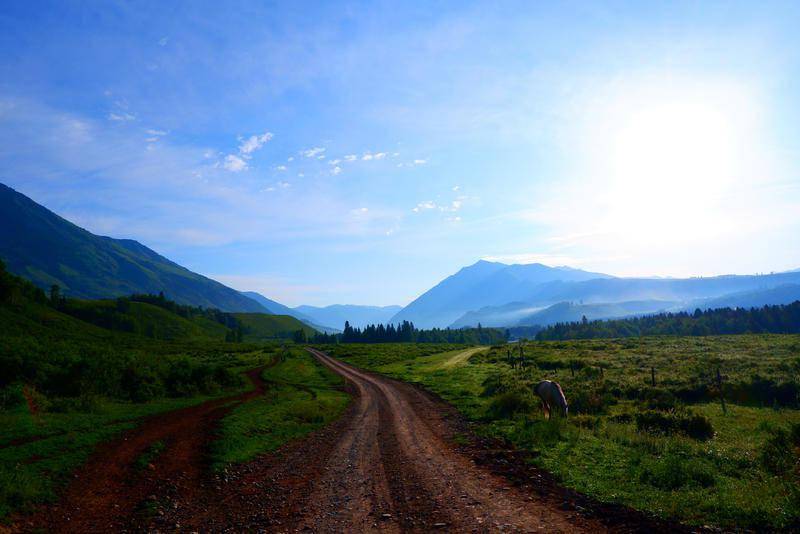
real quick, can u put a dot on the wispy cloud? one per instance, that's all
(234, 163)
(254, 142)
(424, 206)
(312, 152)
(121, 116)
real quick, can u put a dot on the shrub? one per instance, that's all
(675, 470)
(509, 403)
(587, 401)
(497, 383)
(779, 454)
(660, 399)
(695, 426)
(11, 396)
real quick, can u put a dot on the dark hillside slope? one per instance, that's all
(46, 249)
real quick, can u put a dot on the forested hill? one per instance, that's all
(46, 249)
(780, 319)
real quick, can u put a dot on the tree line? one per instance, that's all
(406, 332)
(778, 319)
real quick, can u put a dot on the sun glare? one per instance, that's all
(667, 158)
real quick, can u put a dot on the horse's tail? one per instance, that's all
(562, 400)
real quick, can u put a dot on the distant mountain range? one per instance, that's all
(330, 319)
(37, 244)
(495, 294)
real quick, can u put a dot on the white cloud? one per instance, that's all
(122, 116)
(453, 219)
(359, 211)
(153, 132)
(254, 142)
(456, 188)
(420, 161)
(280, 168)
(152, 139)
(290, 159)
(234, 163)
(350, 157)
(312, 152)
(336, 170)
(380, 155)
(284, 185)
(366, 157)
(163, 41)
(334, 162)
(424, 205)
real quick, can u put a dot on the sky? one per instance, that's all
(360, 152)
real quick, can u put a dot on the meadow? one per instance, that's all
(647, 426)
(301, 396)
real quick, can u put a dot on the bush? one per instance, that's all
(779, 454)
(509, 403)
(11, 396)
(675, 471)
(497, 383)
(695, 426)
(590, 400)
(660, 399)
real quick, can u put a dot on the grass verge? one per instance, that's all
(301, 397)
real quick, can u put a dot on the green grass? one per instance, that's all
(38, 452)
(599, 450)
(263, 327)
(302, 396)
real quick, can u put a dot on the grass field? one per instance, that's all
(668, 449)
(302, 396)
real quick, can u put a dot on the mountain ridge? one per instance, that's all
(47, 249)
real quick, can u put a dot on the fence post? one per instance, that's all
(653, 376)
(721, 393)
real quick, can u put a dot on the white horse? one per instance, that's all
(552, 398)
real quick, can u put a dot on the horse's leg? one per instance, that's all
(546, 410)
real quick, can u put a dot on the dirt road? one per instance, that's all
(390, 463)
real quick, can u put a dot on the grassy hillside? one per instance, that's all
(42, 247)
(665, 447)
(263, 327)
(146, 320)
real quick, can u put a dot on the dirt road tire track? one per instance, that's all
(110, 493)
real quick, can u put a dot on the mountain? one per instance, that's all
(358, 316)
(39, 245)
(495, 294)
(686, 290)
(281, 309)
(484, 284)
(496, 316)
(782, 294)
(565, 312)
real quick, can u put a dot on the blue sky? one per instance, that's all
(360, 152)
